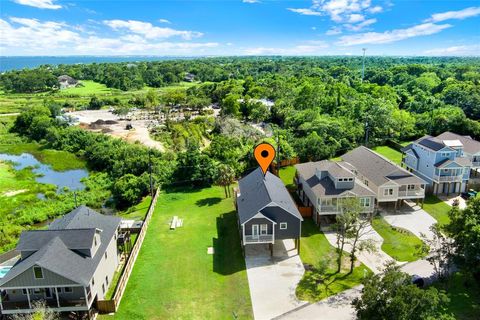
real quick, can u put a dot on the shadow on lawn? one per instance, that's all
(228, 257)
(208, 201)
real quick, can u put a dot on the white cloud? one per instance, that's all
(333, 31)
(355, 17)
(250, 1)
(376, 9)
(305, 11)
(308, 48)
(42, 4)
(164, 21)
(361, 25)
(393, 35)
(314, 28)
(470, 50)
(150, 31)
(32, 36)
(461, 14)
(340, 11)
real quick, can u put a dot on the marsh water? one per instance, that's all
(45, 174)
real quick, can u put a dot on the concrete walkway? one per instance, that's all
(412, 218)
(339, 307)
(273, 280)
(373, 260)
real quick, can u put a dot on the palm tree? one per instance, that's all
(225, 177)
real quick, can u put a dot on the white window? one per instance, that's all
(350, 179)
(103, 288)
(93, 281)
(106, 280)
(283, 225)
(68, 289)
(445, 154)
(105, 255)
(263, 229)
(38, 272)
(388, 192)
(24, 292)
(36, 290)
(365, 202)
(366, 182)
(411, 187)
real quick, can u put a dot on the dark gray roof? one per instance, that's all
(325, 187)
(74, 239)
(379, 169)
(431, 143)
(469, 145)
(409, 147)
(258, 191)
(55, 255)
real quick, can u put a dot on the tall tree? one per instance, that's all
(225, 177)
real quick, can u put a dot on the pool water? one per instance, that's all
(3, 271)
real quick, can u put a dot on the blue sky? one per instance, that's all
(239, 27)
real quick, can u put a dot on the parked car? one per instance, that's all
(469, 195)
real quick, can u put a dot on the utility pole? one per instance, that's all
(278, 154)
(150, 171)
(366, 133)
(363, 63)
(75, 198)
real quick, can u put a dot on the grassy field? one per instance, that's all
(464, 294)
(88, 88)
(316, 250)
(174, 277)
(390, 153)
(137, 212)
(400, 244)
(287, 174)
(437, 209)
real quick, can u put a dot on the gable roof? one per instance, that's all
(460, 161)
(258, 191)
(76, 239)
(56, 256)
(379, 169)
(325, 187)
(431, 142)
(470, 145)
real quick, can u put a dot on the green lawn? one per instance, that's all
(464, 294)
(437, 209)
(87, 88)
(315, 250)
(400, 244)
(139, 211)
(287, 174)
(390, 153)
(174, 277)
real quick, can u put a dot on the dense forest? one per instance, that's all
(320, 107)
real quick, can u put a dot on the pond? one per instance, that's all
(45, 173)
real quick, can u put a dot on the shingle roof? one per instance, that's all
(58, 258)
(325, 187)
(470, 145)
(74, 239)
(379, 169)
(258, 191)
(431, 143)
(462, 161)
(409, 147)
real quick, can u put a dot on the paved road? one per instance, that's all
(273, 281)
(339, 307)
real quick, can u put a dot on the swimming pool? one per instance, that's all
(4, 270)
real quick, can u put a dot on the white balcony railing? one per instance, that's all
(259, 238)
(455, 178)
(412, 193)
(476, 164)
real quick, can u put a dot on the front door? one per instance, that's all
(48, 293)
(255, 230)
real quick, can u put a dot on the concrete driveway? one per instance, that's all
(462, 203)
(373, 260)
(412, 218)
(273, 280)
(339, 307)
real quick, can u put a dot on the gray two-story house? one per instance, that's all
(390, 182)
(67, 266)
(324, 185)
(439, 161)
(266, 211)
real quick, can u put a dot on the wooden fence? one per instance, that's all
(8, 255)
(283, 163)
(306, 212)
(109, 306)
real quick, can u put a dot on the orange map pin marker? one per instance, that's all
(264, 154)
